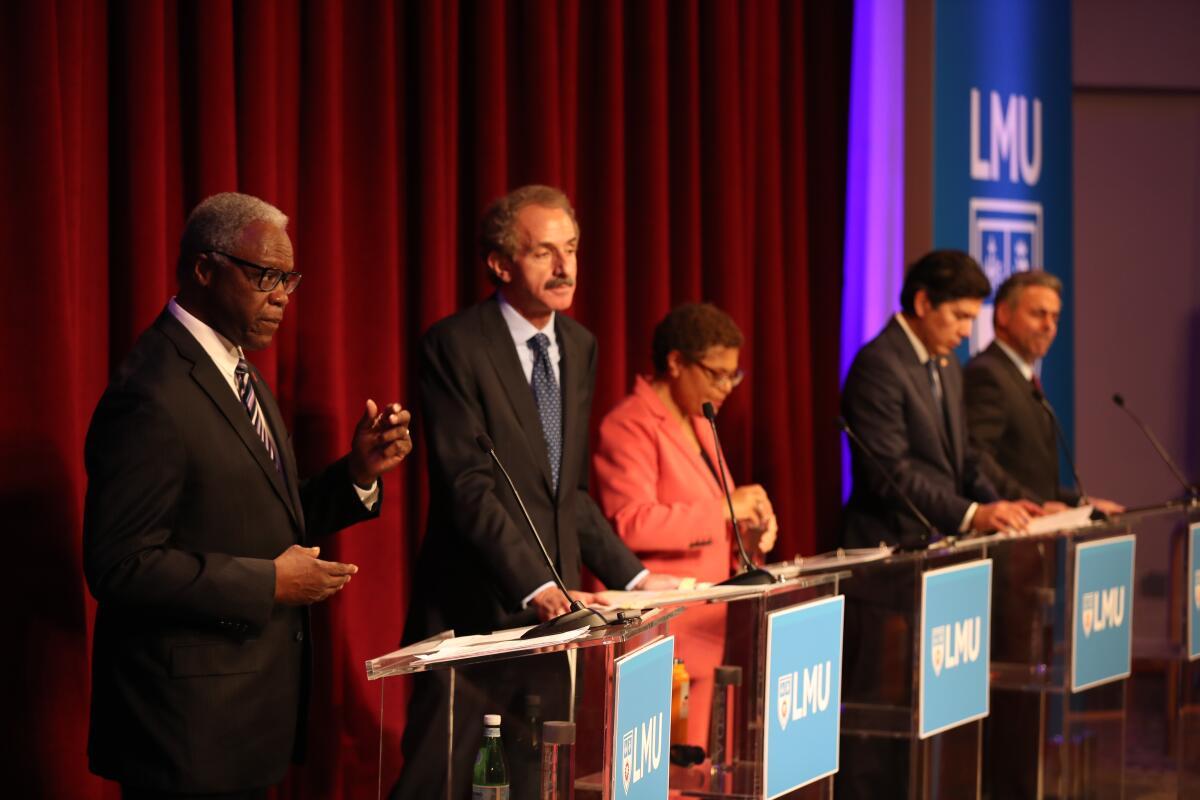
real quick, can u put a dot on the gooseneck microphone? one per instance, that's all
(750, 575)
(1193, 493)
(580, 616)
(906, 543)
(1097, 515)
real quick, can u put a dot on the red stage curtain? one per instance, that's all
(683, 131)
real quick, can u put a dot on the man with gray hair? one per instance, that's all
(197, 528)
(1009, 420)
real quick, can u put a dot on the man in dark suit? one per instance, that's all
(196, 528)
(903, 397)
(516, 368)
(1010, 422)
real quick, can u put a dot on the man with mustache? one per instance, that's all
(517, 369)
(197, 528)
(1008, 417)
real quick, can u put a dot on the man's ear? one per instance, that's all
(1001, 315)
(203, 267)
(500, 266)
(921, 305)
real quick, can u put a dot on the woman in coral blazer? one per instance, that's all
(656, 477)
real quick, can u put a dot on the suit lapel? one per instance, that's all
(952, 390)
(573, 380)
(282, 444)
(918, 377)
(1022, 389)
(204, 373)
(503, 354)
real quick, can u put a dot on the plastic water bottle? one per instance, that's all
(490, 781)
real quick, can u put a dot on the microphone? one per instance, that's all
(906, 543)
(751, 575)
(580, 616)
(1097, 515)
(1193, 494)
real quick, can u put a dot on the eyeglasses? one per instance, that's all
(717, 377)
(268, 277)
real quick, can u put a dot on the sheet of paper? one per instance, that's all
(1067, 520)
(669, 597)
(492, 643)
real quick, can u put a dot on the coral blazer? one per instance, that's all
(667, 505)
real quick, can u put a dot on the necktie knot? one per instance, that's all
(540, 343)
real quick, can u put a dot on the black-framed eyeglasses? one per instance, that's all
(268, 277)
(716, 377)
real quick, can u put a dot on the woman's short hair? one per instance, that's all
(692, 328)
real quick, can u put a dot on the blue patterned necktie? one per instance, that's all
(250, 403)
(549, 402)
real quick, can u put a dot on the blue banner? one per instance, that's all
(642, 722)
(1193, 594)
(804, 690)
(1102, 617)
(1002, 154)
(956, 630)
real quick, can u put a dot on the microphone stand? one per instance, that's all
(922, 540)
(580, 616)
(1097, 515)
(751, 575)
(1192, 492)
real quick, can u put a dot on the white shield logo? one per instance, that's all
(938, 649)
(1197, 590)
(1089, 613)
(783, 706)
(626, 760)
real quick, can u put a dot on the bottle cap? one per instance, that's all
(491, 720)
(555, 732)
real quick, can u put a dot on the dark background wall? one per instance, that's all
(1137, 257)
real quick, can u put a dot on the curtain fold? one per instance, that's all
(683, 132)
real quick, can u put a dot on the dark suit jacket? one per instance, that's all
(888, 402)
(1012, 431)
(478, 560)
(198, 678)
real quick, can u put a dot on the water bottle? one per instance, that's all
(490, 781)
(680, 682)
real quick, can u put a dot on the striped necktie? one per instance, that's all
(250, 403)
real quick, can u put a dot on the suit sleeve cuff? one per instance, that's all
(968, 518)
(529, 597)
(629, 587)
(369, 497)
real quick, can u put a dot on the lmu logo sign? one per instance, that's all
(1103, 609)
(955, 644)
(638, 762)
(792, 705)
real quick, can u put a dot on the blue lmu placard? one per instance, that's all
(804, 690)
(1193, 595)
(956, 632)
(1102, 619)
(642, 721)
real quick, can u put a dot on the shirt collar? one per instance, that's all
(521, 329)
(224, 353)
(917, 345)
(1024, 366)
